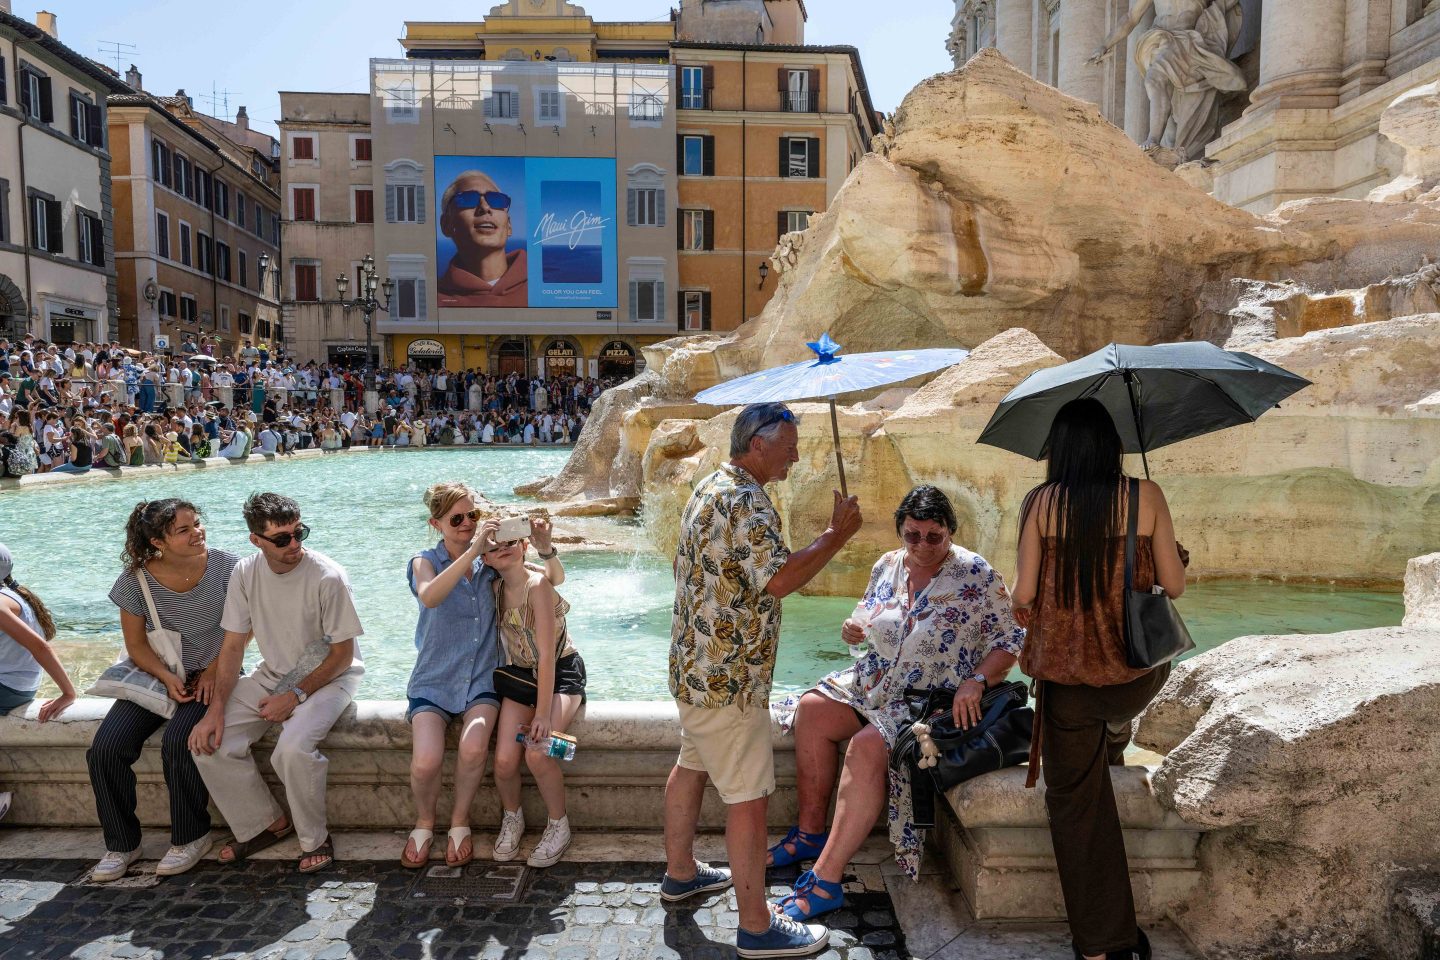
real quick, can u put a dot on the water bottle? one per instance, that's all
(559, 747)
(862, 617)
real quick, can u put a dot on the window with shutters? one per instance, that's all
(244, 268)
(401, 103)
(306, 283)
(404, 192)
(259, 220)
(408, 272)
(189, 311)
(85, 124)
(160, 162)
(502, 103)
(204, 193)
(204, 253)
(224, 319)
(45, 224)
(35, 95)
(364, 205)
(222, 199)
(697, 155)
(694, 88)
(222, 261)
(647, 289)
(184, 176)
(4, 80)
(162, 235)
(645, 196)
(799, 90)
(185, 256)
(239, 209)
(302, 146)
(4, 203)
(92, 238)
(167, 305)
(362, 149)
(550, 106)
(302, 203)
(695, 309)
(794, 221)
(799, 157)
(242, 324)
(698, 230)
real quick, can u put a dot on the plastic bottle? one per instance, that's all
(560, 746)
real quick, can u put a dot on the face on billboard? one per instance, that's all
(526, 232)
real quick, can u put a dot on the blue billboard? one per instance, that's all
(532, 232)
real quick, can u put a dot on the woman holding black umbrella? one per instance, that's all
(1071, 584)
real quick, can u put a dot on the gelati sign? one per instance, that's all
(426, 348)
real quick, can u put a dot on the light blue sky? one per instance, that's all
(258, 48)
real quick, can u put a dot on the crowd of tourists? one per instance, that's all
(494, 656)
(76, 407)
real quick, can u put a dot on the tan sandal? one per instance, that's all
(423, 839)
(456, 837)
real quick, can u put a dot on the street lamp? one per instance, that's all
(263, 262)
(764, 273)
(366, 303)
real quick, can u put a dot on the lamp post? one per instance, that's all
(764, 274)
(366, 303)
(263, 262)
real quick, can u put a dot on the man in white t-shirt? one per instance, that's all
(268, 440)
(301, 609)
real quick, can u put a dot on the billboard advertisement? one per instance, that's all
(536, 232)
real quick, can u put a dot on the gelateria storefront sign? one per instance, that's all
(426, 348)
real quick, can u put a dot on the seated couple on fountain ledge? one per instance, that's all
(934, 615)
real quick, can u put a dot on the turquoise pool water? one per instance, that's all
(366, 513)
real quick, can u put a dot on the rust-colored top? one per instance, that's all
(1084, 645)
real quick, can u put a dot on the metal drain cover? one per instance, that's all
(474, 882)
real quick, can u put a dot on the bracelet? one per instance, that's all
(554, 552)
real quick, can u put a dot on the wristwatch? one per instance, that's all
(300, 695)
(980, 679)
(554, 552)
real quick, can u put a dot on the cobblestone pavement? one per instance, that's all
(373, 910)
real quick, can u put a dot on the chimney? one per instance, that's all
(45, 20)
(181, 94)
(5, 6)
(242, 119)
(132, 77)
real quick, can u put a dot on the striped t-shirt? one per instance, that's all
(195, 614)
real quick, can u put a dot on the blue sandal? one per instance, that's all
(805, 889)
(807, 847)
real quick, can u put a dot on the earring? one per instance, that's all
(159, 554)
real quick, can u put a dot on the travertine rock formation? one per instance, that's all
(1311, 760)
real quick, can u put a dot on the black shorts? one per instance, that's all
(518, 683)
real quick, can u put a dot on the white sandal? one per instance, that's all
(459, 835)
(422, 838)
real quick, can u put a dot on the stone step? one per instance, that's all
(996, 842)
(1415, 918)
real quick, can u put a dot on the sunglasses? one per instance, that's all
(282, 540)
(915, 537)
(459, 518)
(470, 199)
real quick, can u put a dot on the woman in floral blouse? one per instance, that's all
(934, 615)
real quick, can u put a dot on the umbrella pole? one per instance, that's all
(1135, 412)
(839, 460)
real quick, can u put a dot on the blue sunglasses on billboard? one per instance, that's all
(470, 199)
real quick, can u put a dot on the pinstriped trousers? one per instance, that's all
(113, 753)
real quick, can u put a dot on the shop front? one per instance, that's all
(425, 354)
(562, 359)
(68, 323)
(351, 355)
(617, 361)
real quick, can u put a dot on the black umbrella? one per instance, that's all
(1156, 395)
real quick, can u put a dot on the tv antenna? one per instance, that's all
(218, 100)
(119, 51)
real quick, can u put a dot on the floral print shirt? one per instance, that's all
(936, 640)
(725, 626)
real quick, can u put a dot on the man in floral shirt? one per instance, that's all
(731, 570)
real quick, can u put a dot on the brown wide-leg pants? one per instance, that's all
(1085, 730)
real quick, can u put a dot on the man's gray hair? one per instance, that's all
(761, 420)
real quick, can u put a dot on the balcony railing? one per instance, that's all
(792, 102)
(695, 100)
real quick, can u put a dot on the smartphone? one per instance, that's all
(513, 528)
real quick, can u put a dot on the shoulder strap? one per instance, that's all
(142, 576)
(1131, 524)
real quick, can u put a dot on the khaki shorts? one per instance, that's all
(733, 746)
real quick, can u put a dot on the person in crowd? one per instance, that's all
(26, 630)
(934, 615)
(199, 442)
(134, 446)
(112, 451)
(542, 689)
(154, 445)
(184, 582)
(732, 568)
(1070, 590)
(81, 453)
(300, 607)
(456, 654)
(25, 456)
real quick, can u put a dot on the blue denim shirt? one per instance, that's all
(456, 644)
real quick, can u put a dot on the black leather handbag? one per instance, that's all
(1154, 632)
(1001, 739)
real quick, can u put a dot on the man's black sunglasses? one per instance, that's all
(470, 199)
(282, 540)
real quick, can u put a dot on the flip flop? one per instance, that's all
(263, 840)
(457, 836)
(326, 850)
(422, 838)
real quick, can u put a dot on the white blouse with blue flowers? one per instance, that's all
(938, 640)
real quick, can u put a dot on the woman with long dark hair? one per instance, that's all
(169, 565)
(1071, 583)
(26, 629)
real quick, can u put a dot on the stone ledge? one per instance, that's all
(995, 837)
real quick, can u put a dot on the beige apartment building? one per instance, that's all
(327, 185)
(197, 224)
(57, 268)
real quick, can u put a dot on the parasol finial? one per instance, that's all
(825, 348)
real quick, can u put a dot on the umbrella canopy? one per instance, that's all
(829, 375)
(202, 358)
(1156, 395)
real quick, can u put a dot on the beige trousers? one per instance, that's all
(234, 780)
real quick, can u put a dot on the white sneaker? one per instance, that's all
(552, 843)
(180, 859)
(113, 865)
(507, 844)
